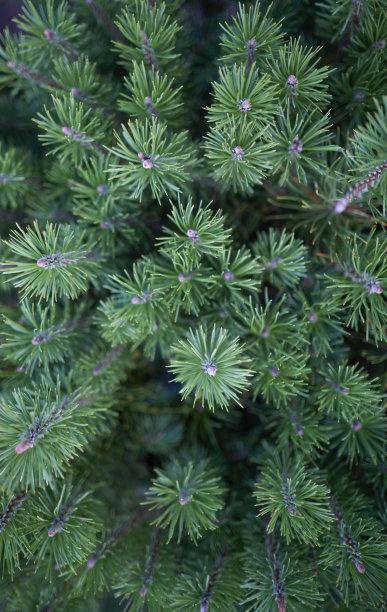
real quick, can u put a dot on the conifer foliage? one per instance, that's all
(193, 306)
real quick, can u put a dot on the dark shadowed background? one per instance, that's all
(8, 9)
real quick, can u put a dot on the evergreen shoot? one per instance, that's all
(193, 278)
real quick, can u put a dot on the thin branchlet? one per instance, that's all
(289, 497)
(32, 75)
(105, 20)
(372, 285)
(116, 535)
(81, 95)
(82, 139)
(59, 521)
(148, 51)
(151, 563)
(214, 578)
(15, 503)
(47, 334)
(110, 358)
(41, 427)
(356, 191)
(276, 572)
(347, 540)
(57, 39)
(58, 260)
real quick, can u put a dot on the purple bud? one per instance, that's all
(273, 263)
(340, 205)
(238, 151)
(204, 606)
(143, 591)
(251, 44)
(54, 529)
(292, 81)
(148, 100)
(42, 263)
(374, 287)
(228, 276)
(244, 105)
(49, 34)
(136, 300)
(357, 426)
(379, 44)
(209, 368)
(92, 561)
(359, 566)
(20, 368)
(274, 372)
(23, 446)
(295, 146)
(192, 235)
(184, 498)
(222, 314)
(102, 189)
(300, 431)
(147, 163)
(67, 131)
(75, 91)
(181, 278)
(11, 65)
(265, 333)
(340, 389)
(96, 372)
(312, 317)
(292, 511)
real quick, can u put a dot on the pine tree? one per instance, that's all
(193, 317)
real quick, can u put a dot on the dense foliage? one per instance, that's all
(193, 317)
